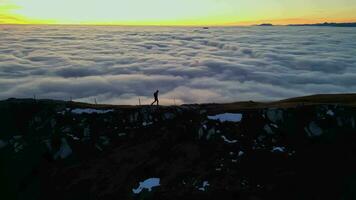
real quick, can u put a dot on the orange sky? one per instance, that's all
(176, 12)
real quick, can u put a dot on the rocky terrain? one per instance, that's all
(301, 148)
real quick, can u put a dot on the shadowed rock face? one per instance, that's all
(61, 150)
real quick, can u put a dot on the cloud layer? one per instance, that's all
(188, 65)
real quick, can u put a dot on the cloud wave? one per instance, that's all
(188, 65)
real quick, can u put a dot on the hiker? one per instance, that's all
(156, 98)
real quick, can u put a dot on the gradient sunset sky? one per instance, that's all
(176, 12)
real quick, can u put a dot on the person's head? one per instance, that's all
(157, 91)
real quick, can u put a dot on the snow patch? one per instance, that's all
(278, 149)
(73, 136)
(274, 125)
(147, 123)
(121, 134)
(227, 117)
(330, 112)
(90, 111)
(204, 186)
(227, 140)
(147, 184)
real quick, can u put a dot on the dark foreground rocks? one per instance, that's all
(65, 150)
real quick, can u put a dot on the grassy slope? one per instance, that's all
(319, 99)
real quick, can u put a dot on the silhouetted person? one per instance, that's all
(156, 97)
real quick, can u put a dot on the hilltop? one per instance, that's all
(351, 24)
(298, 148)
(325, 24)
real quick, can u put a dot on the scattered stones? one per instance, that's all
(18, 147)
(211, 132)
(2, 144)
(200, 132)
(268, 129)
(17, 137)
(168, 116)
(229, 158)
(313, 130)
(64, 150)
(104, 140)
(86, 133)
(275, 115)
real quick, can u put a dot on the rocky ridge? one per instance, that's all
(66, 150)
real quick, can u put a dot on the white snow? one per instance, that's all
(73, 136)
(227, 140)
(330, 112)
(147, 184)
(90, 111)
(278, 149)
(204, 187)
(227, 117)
(121, 134)
(147, 123)
(98, 147)
(240, 153)
(274, 125)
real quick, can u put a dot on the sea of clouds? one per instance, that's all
(188, 65)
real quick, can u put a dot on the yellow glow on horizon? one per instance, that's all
(175, 12)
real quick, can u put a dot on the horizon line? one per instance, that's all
(163, 25)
